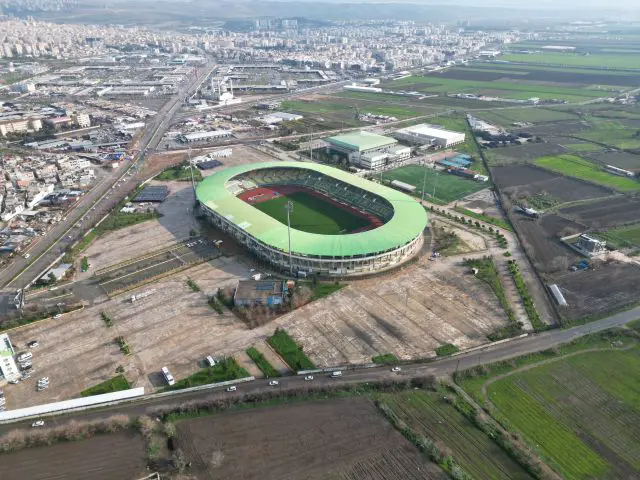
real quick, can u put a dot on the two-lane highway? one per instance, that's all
(490, 354)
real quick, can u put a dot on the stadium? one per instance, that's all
(341, 225)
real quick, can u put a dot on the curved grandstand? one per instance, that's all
(341, 224)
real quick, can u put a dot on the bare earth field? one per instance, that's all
(606, 213)
(606, 287)
(343, 439)
(529, 180)
(107, 457)
(618, 159)
(545, 249)
(408, 313)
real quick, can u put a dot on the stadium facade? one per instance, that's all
(396, 240)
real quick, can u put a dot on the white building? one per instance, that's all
(204, 136)
(8, 368)
(72, 164)
(424, 134)
(82, 119)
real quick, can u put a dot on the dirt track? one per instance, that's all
(341, 439)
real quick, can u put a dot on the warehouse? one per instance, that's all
(364, 149)
(204, 136)
(8, 369)
(430, 135)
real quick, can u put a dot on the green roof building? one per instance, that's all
(397, 239)
(361, 142)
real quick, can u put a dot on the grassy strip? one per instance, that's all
(488, 273)
(446, 349)
(321, 290)
(262, 363)
(45, 315)
(107, 319)
(115, 384)
(425, 445)
(498, 222)
(527, 300)
(574, 166)
(386, 359)
(180, 173)
(290, 351)
(226, 369)
(193, 285)
(124, 346)
(216, 305)
(84, 264)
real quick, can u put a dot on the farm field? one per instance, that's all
(619, 61)
(528, 115)
(312, 214)
(429, 414)
(547, 73)
(447, 187)
(612, 132)
(574, 166)
(527, 180)
(517, 90)
(617, 159)
(605, 213)
(623, 237)
(578, 411)
(105, 457)
(345, 439)
(603, 288)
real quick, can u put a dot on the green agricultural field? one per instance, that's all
(226, 369)
(290, 351)
(576, 60)
(623, 237)
(430, 415)
(514, 90)
(579, 412)
(312, 214)
(612, 132)
(447, 187)
(574, 166)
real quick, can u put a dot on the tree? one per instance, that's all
(52, 277)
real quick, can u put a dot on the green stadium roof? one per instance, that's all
(361, 141)
(408, 221)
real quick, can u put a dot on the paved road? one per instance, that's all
(99, 201)
(489, 354)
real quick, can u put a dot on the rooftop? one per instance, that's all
(431, 131)
(361, 141)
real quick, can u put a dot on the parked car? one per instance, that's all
(210, 361)
(38, 423)
(57, 315)
(336, 374)
(33, 344)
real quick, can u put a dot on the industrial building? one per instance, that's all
(368, 150)
(204, 136)
(431, 135)
(8, 368)
(250, 293)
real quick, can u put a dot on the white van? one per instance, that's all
(210, 361)
(336, 373)
(167, 376)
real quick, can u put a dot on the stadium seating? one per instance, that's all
(336, 190)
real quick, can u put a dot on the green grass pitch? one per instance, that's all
(312, 214)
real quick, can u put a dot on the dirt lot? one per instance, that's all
(483, 201)
(107, 457)
(341, 439)
(408, 314)
(599, 290)
(525, 180)
(605, 213)
(542, 242)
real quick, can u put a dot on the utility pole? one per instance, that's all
(289, 208)
(424, 179)
(193, 184)
(435, 182)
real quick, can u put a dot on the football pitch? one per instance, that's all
(447, 187)
(312, 214)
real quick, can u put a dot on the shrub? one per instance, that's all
(262, 363)
(290, 351)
